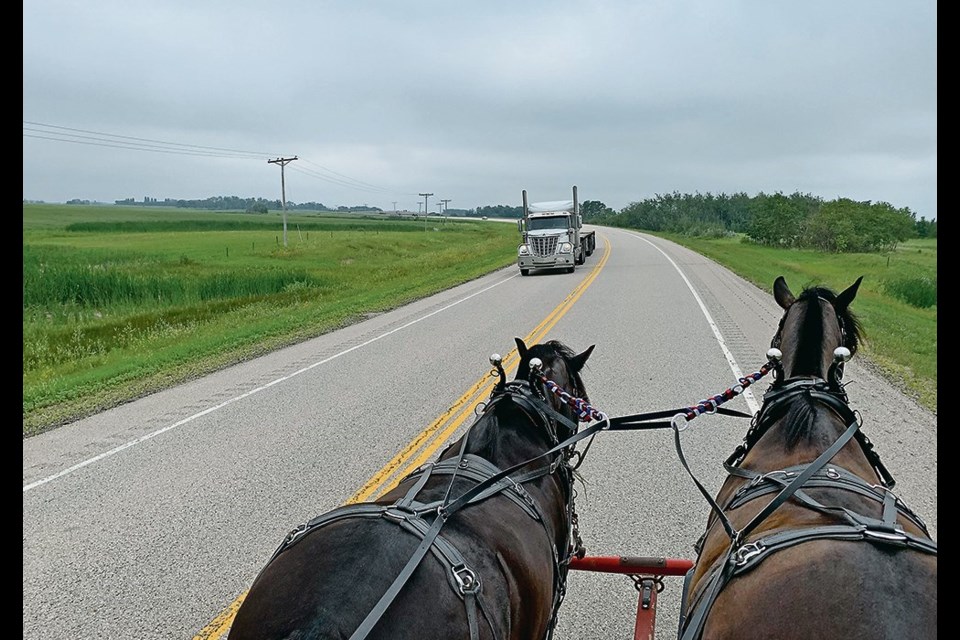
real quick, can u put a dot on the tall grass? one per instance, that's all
(119, 302)
(917, 291)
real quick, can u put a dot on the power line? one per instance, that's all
(57, 133)
(119, 139)
(359, 182)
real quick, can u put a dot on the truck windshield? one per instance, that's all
(539, 224)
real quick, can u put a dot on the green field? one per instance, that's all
(122, 301)
(119, 302)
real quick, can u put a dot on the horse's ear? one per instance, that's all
(521, 348)
(781, 292)
(581, 359)
(848, 294)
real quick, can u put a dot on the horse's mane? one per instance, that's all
(799, 420)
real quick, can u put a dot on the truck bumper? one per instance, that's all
(558, 261)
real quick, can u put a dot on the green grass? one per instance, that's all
(119, 302)
(896, 302)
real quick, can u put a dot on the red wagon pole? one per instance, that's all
(646, 573)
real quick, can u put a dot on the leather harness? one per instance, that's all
(424, 520)
(742, 556)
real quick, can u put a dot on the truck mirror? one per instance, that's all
(520, 226)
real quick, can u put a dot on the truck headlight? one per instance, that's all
(565, 247)
(523, 250)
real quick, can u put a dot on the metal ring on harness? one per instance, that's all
(466, 579)
(679, 422)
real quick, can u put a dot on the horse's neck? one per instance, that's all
(505, 437)
(789, 444)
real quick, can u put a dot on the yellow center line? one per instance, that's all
(433, 437)
(510, 364)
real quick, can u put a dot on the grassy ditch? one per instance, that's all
(897, 301)
(119, 302)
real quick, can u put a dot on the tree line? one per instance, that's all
(235, 203)
(796, 221)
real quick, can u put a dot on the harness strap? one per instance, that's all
(742, 554)
(722, 577)
(835, 477)
(478, 469)
(727, 526)
(753, 553)
(444, 513)
(718, 578)
(464, 580)
(640, 421)
(798, 482)
(746, 557)
(387, 598)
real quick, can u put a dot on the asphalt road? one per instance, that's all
(151, 520)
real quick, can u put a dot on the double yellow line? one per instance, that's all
(429, 441)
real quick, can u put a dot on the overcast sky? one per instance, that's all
(475, 101)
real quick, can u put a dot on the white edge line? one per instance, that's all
(747, 393)
(180, 423)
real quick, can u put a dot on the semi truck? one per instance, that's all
(552, 236)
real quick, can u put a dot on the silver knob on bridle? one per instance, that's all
(841, 354)
(774, 354)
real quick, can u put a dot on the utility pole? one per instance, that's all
(445, 202)
(426, 211)
(419, 207)
(283, 190)
(394, 207)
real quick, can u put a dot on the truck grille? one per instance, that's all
(544, 246)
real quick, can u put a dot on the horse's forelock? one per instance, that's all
(555, 350)
(853, 330)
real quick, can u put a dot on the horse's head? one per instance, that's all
(813, 325)
(560, 364)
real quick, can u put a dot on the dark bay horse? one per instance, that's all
(475, 545)
(806, 538)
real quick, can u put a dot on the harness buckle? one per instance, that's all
(398, 514)
(466, 579)
(757, 480)
(896, 535)
(295, 533)
(747, 551)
